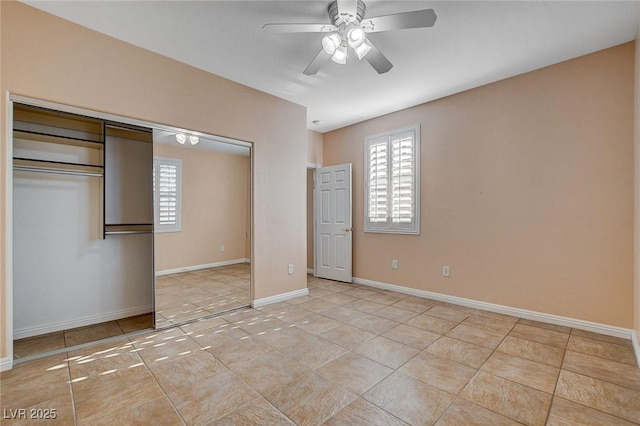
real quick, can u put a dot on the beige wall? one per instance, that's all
(314, 147)
(526, 192)
(48, 58)
(214, 209)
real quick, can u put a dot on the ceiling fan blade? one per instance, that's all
(348, 7)
(321, 58)
(299, 28)
(400, 21)
(377, 60)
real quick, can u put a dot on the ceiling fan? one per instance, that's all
(349, 28)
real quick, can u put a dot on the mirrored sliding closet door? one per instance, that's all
(202, 244)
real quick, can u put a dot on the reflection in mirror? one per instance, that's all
(202, 227)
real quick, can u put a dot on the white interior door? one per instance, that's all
(333, 235)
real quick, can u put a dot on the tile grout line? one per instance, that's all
(504, 378)
(555, 388)
(425, 349)
(455, 396)
(228, 368)
(71, 393)
(600, 357)
(349, 351)
(560, 369)
(155, 379)
(596, 378)
(458, 395)
(593, 408)
(596, 409)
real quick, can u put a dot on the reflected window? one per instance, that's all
(167, 190)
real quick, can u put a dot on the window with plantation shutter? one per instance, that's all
(392, 180)
(166, 195)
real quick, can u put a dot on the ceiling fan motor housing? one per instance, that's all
(338, 19)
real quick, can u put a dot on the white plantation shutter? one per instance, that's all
(402, 172)
(378, 181)
(167, 194)
(167, 190)
(392, 177)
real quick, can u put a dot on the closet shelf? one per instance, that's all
(58, 167)
(55, 139)
(52, 130)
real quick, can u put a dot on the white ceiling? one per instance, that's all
(472, 43)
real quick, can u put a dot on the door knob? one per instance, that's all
(347, 229)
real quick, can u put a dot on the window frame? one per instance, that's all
(176, 227)
(389, 227)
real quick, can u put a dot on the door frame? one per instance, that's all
(6, 363)
(314, 167)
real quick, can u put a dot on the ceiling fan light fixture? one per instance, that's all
(363, 49)
(340, 55)
(331, 42)
(356, 37)
(181, 138)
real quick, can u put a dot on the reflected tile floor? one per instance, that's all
(344, 355)
(189, 295)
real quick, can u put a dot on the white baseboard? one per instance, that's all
(5, 364)
(80, 322)
(204, 266)
(310, 271)
(258, 303)
(609, 330)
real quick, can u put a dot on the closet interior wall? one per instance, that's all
(72, 267)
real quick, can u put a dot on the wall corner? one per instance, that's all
(314, 147)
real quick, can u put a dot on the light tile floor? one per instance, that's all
(344, 355)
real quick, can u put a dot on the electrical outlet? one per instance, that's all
(445, 271)
(290, 269)
(394, 264)
(221, 248)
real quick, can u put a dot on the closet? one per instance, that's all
(82, 221)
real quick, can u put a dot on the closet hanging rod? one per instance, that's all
(127, 232)
(56, 171)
